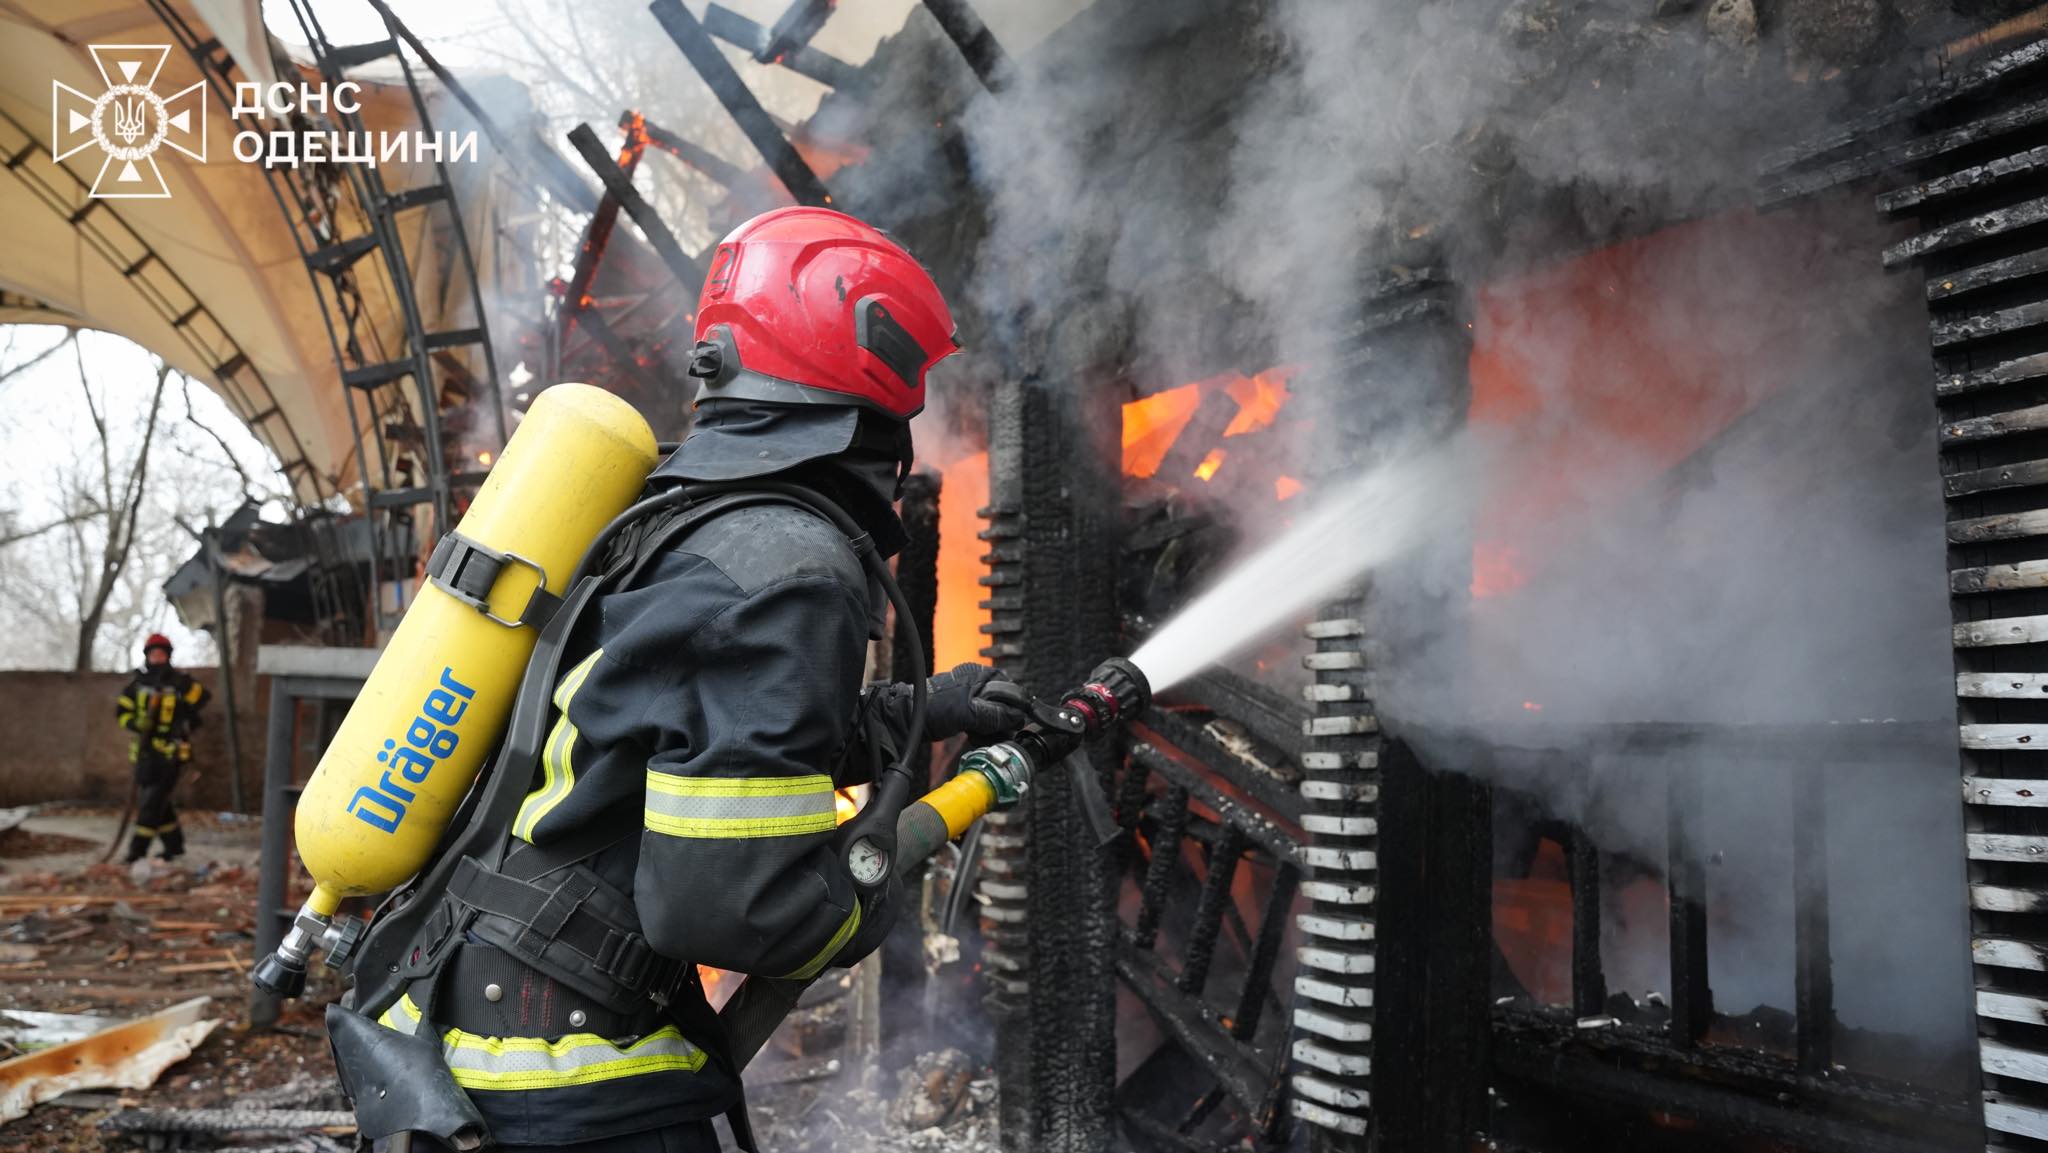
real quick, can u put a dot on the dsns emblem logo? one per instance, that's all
(128, 121)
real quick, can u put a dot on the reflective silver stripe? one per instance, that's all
(739, 807)
(515, 1063)
(403, 1017)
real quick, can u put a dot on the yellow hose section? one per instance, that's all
(962, 801)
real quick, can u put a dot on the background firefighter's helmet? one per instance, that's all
(156, 641)
(810, 306)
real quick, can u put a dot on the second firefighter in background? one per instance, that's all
(160, 709)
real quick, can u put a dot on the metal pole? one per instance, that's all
(277, 815)
(224, 640)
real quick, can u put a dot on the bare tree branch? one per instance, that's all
(122, 514)
(71, 338)
(16, 537)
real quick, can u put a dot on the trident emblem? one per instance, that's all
(128, 119)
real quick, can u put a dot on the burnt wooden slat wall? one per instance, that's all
(1960, 162)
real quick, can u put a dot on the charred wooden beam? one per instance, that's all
(702, 159)
(1685, 884)
(1814, 974)
(1266, 714)
(2016, 371)
(1258, 978)
(1917, 151)
(1170, 828)
(799, 22)
(2012, 67)
(1589, 979)
(1224, 857)
(1208, 744)
(1980, 178)
(1241, 1069)
(1554, 1073)
(1996, 425)
(619, 186)
(1989, 325)
(1202, 433)
(962, 24)
(1991, 274)
(1983, 226)
(1249, 823)
(800, 58)
(703, 54)
(597, 231)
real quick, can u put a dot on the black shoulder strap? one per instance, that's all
(384, 964)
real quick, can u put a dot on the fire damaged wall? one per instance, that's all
(1686, 524)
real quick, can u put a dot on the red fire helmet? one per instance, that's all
(810, 306)
(157, 641)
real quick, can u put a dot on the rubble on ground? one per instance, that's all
(91, 946)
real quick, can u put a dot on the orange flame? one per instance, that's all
(956, 625)
(1286, 486)
(1207, 469)
(1259, 398)
(1153, 423)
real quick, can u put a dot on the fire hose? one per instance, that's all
(989, 779)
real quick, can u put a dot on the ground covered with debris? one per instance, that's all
(81, 940)
(89, 949)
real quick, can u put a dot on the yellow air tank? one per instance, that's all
(441, 694)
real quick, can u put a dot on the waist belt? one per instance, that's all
(544, 919)
(489, 992)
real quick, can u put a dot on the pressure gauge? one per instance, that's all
(868, 863)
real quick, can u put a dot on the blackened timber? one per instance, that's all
(597, 235)
(620, 187)
(1281, 795)
(2031, 574)
(1796, 1122)
(1984, 226)
(1224, 857)
(1589, 979)
(1238, 1067)
(1258, 978)
(1992, 73)
(703, 54)
(1998, 424)
(1166, 838)
(1253, 825)
(1990, 275)
(1053, 458)
(1401, 964)
(1685, 883)
(702, 159)
(1981, 178)
(2003, 526)
(2022, 475)
(1911, 152)
(1985, 326)
(801, 59)
(1268, 715)
(1202, 433)
(800, 21)
(962, 24)
(2016, 371)
(1459, 984)
(1814, 975)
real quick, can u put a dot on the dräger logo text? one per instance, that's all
(429, 740)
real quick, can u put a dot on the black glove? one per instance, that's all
(974, 699)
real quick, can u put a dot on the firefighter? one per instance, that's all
(683, 810)
(160, 709)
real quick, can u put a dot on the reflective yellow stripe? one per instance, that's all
(817, 964)
(144, 831)
(739, 807)
(192, 694)
(557, 762)
(170, 828)
(516, 1063)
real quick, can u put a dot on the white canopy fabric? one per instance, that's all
(221, 240)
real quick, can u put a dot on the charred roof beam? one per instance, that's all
(703, 54)
(799, 57)
(979, 45)
(618, 185)
(702, 159)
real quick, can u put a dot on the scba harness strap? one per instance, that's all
(539, 905)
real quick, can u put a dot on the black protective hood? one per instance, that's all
(854, 458)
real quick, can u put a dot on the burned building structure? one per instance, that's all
(1644, 797)
(1622, 811)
